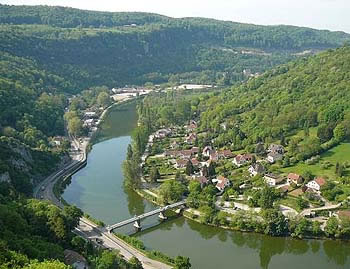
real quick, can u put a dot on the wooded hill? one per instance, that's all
(304, 95)
(90, 48)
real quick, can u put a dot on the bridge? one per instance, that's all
(137, 219)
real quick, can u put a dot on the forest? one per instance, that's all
(99, 48)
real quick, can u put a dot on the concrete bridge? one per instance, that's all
(137, 219)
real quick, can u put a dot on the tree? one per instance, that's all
(316, 228)
(103, 99)
(107, 260)
(47, 265)
(135, 263)
(324, 133)
(154, 174)
(75, 126)
(189, 168)
(302, 228)
(194, 186)
(340, 132)
(267, 197)
(129, 153)
(275, 222)
(171, 191)
(332, 227)
(302, 203)
(211, 169)
(182, 262)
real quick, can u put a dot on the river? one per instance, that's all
(98, 190)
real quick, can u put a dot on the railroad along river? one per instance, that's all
(98, 190)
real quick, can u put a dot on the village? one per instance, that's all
(237, 177)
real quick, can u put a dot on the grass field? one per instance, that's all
(340, 153)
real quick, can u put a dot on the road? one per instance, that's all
(87, 229)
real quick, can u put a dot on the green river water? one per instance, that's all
(98, 190)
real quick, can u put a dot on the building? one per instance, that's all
(274, 148)
(316, 184)
(274, 157)
(89, 114)
(207, 151)
(221, 183)
(225, 154)
(191, 139)
(180, 164)
(294, 178)
(162, 133)
(256, 169)
(242, 159)
(214, 156)
(272, 179)
(201, 179)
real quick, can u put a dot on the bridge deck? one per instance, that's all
(145, 215)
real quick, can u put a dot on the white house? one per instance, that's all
(316, 184)
(256, 169)
(272, 179)
(274, 157)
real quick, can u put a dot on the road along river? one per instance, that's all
(98, 190)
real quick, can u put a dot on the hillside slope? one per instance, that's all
(307, 93)
(101, 48)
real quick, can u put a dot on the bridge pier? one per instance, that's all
(162, 216)
(137, 225)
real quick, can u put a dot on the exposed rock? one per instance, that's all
(5, 177)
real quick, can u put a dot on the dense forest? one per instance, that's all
(308, 94)
(100, 48)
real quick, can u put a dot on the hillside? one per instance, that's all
(90, 48)
(308, 95)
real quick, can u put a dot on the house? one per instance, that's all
(221, 183)
(225, 154)
(214, 156)
(207, 151)
(272, 179)
(256, 169)
(57, 141)
(242, 159)
(316, 184)
(223, 126)
(274, 148)
(174, 145)
(89, 123)
(162, 133)
(294, 178)
(273, 157)
(74, 259)
(195, 150)
(89, 114)
(201, 179)
(195, 162)
(191, 139)
(185, 154)
(191, 126)
(181, 164)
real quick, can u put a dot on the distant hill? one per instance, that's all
(90, 48)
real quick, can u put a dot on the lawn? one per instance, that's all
(340, 153)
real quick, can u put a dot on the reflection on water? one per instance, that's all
(211, 247)
(98, 190)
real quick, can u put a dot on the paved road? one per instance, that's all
(328, 207)
(86, 228)
(90, 231)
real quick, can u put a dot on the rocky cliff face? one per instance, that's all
(24, 167)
